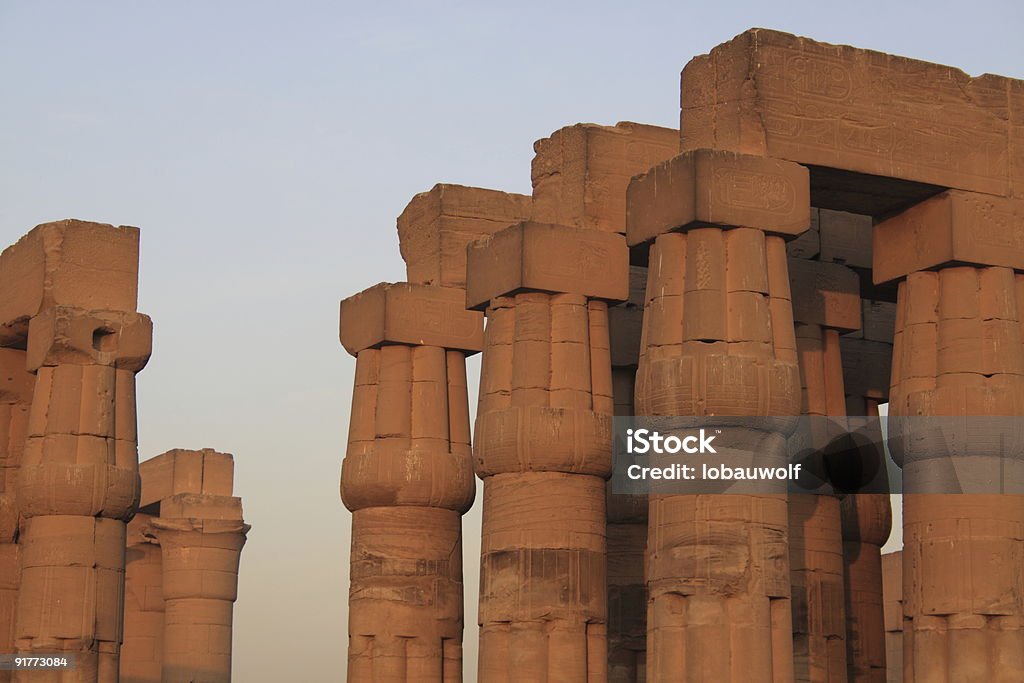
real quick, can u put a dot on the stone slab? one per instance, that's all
(953, 227)
(779, 95)
(403, 313)
(710, 187)
(547, 258)
(73, 263)
(825, 294)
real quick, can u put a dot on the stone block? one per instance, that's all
(707, 187)
(436, 227)
(952, 227)
(62, 335)
(808, 244)
(786, 97)
(867, 366)
(183, 471)
(845, 238)
(72, 263)
(825, 294)
(580, 172)
(547, 258)
(403, 313)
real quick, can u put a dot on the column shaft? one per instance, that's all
(407, 478)
(78, 483)
(199, 559)
(719, 340)
(543, 450)
(15, 399)
(957, 351)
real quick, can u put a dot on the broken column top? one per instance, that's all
(182, 471)
(580, 172)
(414, 314)
(547, 258)
(436, 226)
(786, 97)
(92, 266)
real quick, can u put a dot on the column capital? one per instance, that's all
(410, 314)
(707, 187)
(549, 258)
(64, 335)
(954, 227)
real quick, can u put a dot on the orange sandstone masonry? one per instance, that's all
(408, 475)
(830, 229)
(71, 343)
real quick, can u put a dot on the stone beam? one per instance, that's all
(852, 110)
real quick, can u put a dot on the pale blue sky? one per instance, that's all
(265, 150)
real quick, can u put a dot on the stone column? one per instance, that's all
(201, 538)
(957, 352)
(627, 514)
(142, 651)
(867, 517)
(78, 484)
(718, 335)
(580, 174)
(15, 399)
(892, 598)
(407, 478)
(543, 447)
(826, 303)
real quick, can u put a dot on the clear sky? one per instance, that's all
(265, 150)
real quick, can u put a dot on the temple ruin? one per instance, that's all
(831, 229)
(72, 502)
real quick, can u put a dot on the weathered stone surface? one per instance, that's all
(92, 266)
(437, 226)
(845, 238)
(953, 227)
(892, 598)
(547, 258)
(183, 471)
(580, 172)
(706, 187)
(785, 97)
(829, 294)
(404, 313)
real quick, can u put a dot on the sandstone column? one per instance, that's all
(200, 546)
(826, 303)
(70, 298)
(627, 514)
(142, 651)
(78, 483)
(181, 573)
(867, 517)
(543, 447)
(407, 478)
(15, 398)
(957, 352)
(580, 174)
(718, 335)
(892, 596)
